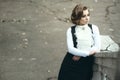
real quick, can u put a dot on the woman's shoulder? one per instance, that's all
(95, 28)
(70, 27)
(94, 25)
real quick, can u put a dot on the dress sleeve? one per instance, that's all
(96, 37)
(72, 49)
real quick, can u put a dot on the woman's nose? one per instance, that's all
(87, 17)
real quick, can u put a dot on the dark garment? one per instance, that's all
(76, 70)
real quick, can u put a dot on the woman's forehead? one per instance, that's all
(86, 11)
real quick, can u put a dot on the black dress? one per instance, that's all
(76, 70)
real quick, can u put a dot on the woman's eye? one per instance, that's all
(84, 16)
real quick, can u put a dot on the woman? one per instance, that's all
(83, 41)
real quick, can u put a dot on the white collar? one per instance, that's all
(82, 26)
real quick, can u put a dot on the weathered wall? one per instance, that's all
(107, 65)
(117, 75)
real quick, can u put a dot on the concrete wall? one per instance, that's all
(117, 75)
(107, 65)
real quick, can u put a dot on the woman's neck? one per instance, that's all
(82, 25)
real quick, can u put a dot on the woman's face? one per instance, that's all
(85, 17)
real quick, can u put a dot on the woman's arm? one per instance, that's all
(97, 41)
(72, 49)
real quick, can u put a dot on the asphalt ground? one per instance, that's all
(33, 34)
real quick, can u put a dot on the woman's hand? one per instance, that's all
(92, 52)
(76, 58)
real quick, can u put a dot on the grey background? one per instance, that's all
(33, 34)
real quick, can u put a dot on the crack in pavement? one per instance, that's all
(24, 20)
(54, 12)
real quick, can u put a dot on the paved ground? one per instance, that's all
(33, 34)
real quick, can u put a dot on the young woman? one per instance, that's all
(83, 41)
